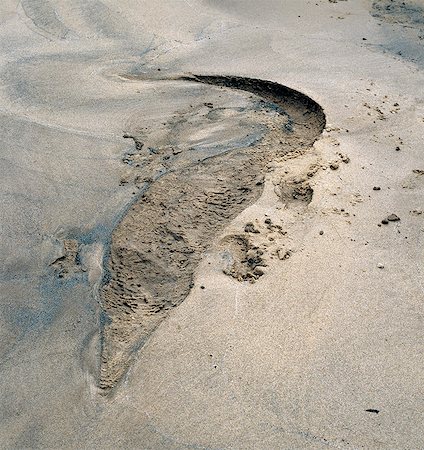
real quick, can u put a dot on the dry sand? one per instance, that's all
(231, 259)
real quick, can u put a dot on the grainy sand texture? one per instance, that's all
(212, 224)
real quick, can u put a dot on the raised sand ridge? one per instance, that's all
(157, 246)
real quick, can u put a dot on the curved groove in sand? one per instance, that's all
(157, 246)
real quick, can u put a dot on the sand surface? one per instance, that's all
(212, 224)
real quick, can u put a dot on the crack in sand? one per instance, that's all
(158, 245)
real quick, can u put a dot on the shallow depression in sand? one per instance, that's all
(196, 169)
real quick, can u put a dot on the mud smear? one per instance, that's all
(186, 202)
(69, 263)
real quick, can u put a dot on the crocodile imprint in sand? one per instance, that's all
(157, 246)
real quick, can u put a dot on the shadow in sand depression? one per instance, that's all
(198, 172)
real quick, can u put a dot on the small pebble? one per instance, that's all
(397, 149)
(384, 221)
(376, 188)
(321, 232)
(393, 218)
(380, 266)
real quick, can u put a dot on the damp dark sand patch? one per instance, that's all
(408, 13)
(405, 35)
(158, 245)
